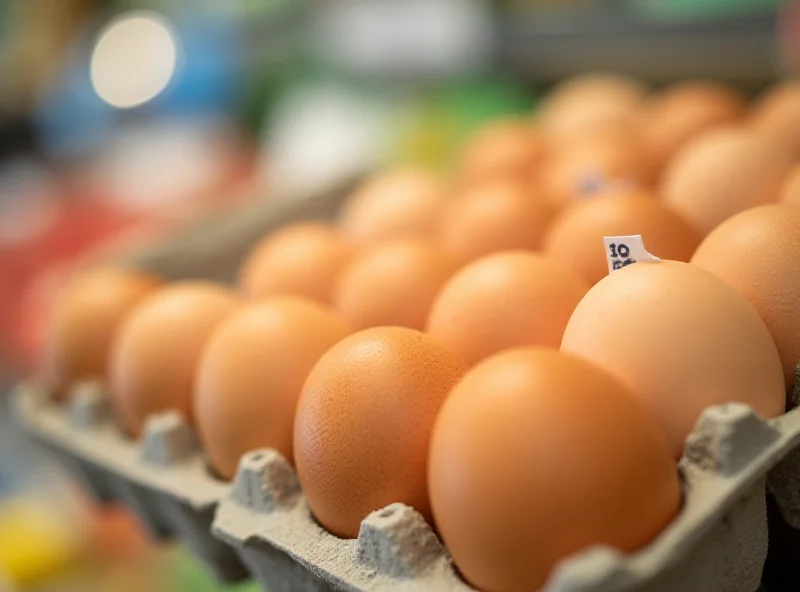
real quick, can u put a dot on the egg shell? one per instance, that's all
(758, 253)
(363, 424)
(495, 216)
(505, 300)
(791, 188)
(536, 455)
(302, 259)
(686, 110)
(777, 116)
(681, 339)
(506, 148)
(85, 321)
(155, 354)
(589, 101)
(585, 87)
(399, 203)
(575, 237)
(722, 173)
(251, 374)
(393, 283)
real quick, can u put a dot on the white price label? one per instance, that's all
(590, 183)
(595, 182)
(624, 250)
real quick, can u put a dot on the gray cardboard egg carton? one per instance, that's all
(162, 478)
(214, 248)
(718, 541)
(261, 523)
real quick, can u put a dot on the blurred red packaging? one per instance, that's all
(42, 237)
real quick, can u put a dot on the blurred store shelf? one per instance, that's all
(739, 49)
(735, 41)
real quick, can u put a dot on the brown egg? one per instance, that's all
(393, 283)
(504, 149)
(585, 87)
(495, 216)
(536, 455)
(791, 187)
(681, 339)
(363, 424)
(586, 102)
(624, 123)
(777, 116)
(505, 300)
(401, 203)
(758, 253)
(156, 351)
(592, 159)
(721, 173)
(576, 236)
(685, 111)
(302, 259)
(85, 321)
(251, 374)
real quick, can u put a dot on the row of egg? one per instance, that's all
(518, 455)
(524, 185)
(518, 461)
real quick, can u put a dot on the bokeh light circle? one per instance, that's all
(134, 59)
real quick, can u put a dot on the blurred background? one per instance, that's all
(120, 120)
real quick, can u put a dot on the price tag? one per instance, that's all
(591, 182)
(594, 182)
(624, 250)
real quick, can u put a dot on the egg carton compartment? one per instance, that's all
(162, 478)
(717, 542)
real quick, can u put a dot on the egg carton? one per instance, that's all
(213, 248)
(717, 542)
(162, 478)
(261, 523)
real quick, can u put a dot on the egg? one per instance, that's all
(721, 173)
(505, 300)
(363, 424)
(585, 102)
(393, 283)
(302, 259)
(495, 216)
(506, 148)
(251, 373)
(399, 203)
(777, 116)
(576, 236)
(603, 85)
(686, 110)
(156, 351)
(758, 253)
(681, 339)
(536, 455)
(86, 317)
(598, 158)
(790, 193)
